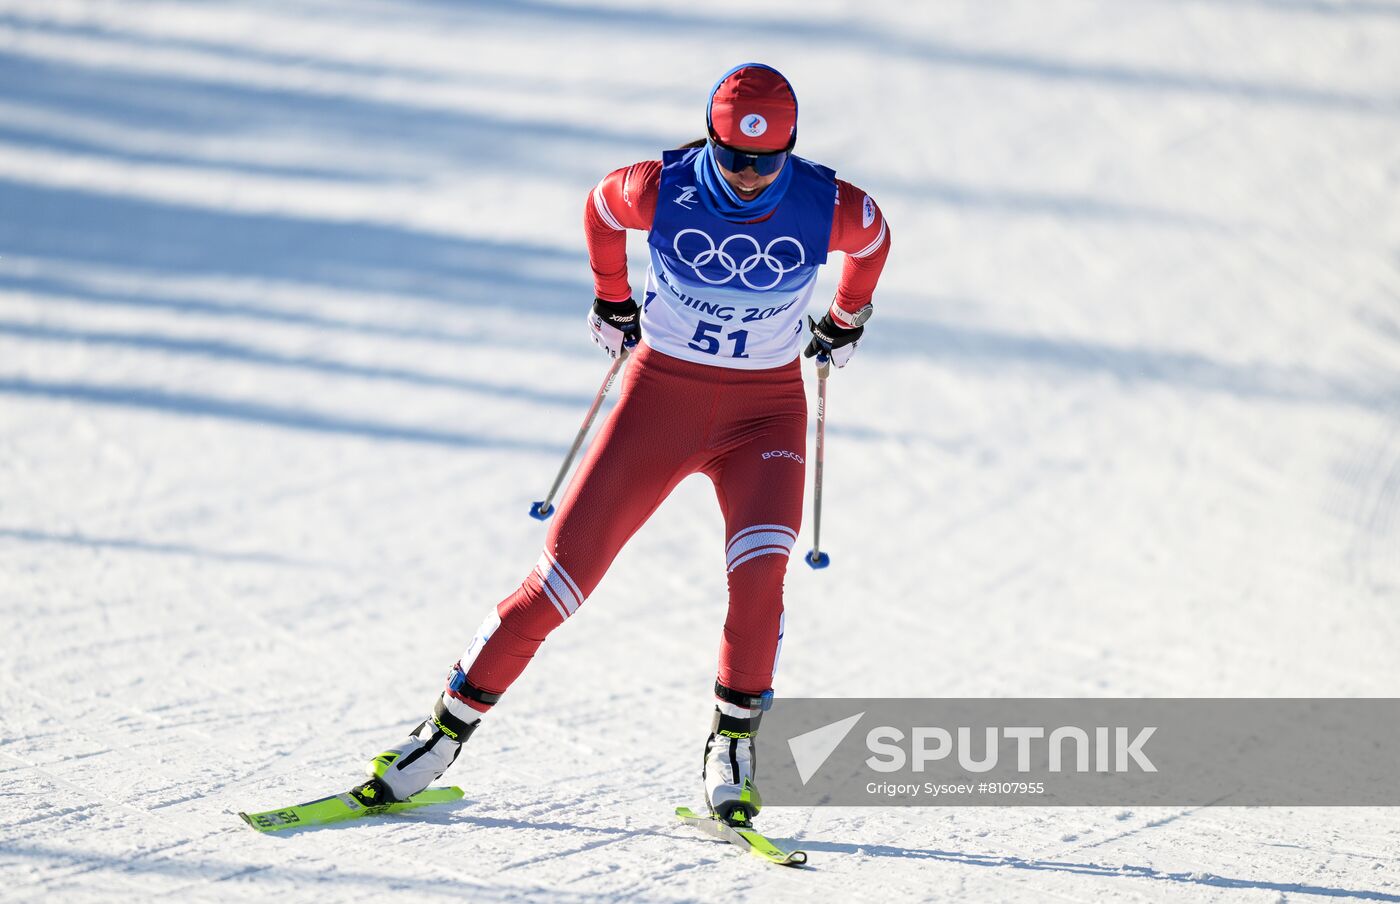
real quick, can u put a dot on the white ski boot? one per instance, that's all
(403, 770)
(731, 756)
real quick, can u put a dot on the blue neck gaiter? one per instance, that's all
(722, 201)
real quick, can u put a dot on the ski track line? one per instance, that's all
(40, 817)
(106, 745)
(1252, 835)
(1378, 489)
(225, 873)
(1151, 824)
(100, 798)
(287, 761)
(184, 892)
(588, 846)
(678, 866)
(207, 740)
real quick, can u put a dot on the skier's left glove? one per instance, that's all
(835, 341)
(615, 324)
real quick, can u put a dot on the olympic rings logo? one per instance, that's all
(731, 262)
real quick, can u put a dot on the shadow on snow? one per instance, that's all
(1096, 869)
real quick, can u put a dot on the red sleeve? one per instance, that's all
(858, 229)
(625, 199)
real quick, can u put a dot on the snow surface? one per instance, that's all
(291, 334)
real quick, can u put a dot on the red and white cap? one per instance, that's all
(753, 106)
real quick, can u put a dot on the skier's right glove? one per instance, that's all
(833, 340)
(615, 324)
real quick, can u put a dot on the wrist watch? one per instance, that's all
(859, 316)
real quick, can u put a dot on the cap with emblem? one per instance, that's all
(753, 107)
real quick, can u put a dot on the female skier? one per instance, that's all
(738, 226)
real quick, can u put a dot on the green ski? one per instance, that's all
(743, 836)
(341, 808)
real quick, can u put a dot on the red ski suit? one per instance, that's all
(745, 429)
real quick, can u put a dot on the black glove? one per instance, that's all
(835, 342)
(615, 324)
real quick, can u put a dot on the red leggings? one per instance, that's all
(744, 429)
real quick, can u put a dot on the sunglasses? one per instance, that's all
(738, 161)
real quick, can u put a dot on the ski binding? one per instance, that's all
(742, 835)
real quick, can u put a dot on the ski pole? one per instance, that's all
(816, 558)
(542, 509)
